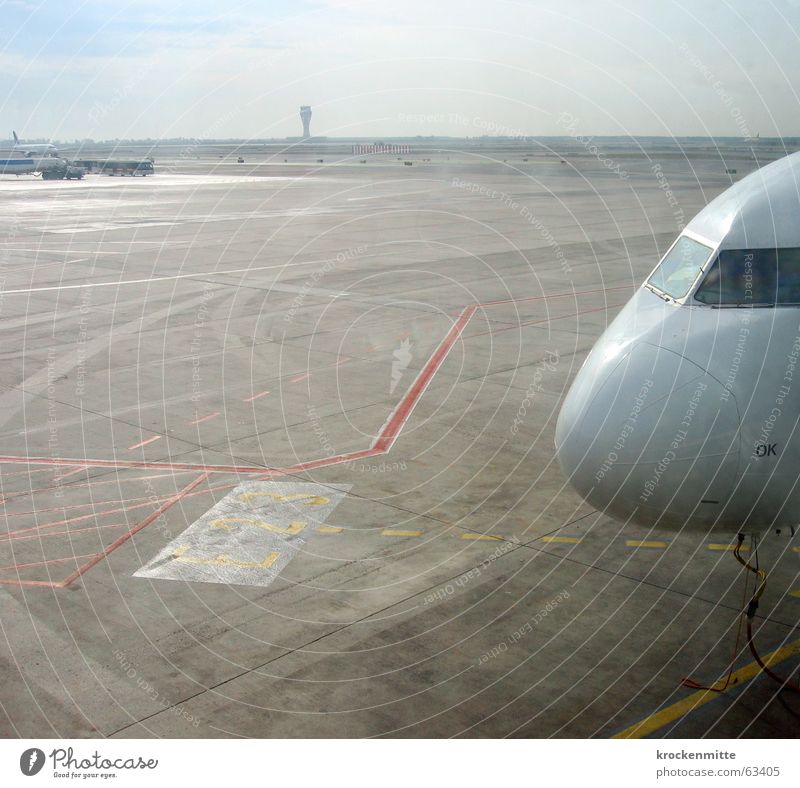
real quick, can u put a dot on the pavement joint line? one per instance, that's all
(532, 545)
(381, 445)
(681, 708)
(118, 542)
(304, 646)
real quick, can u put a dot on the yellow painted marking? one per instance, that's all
(637, 543)
(795, 593)
(715, 546)
(796, 549)
(226, 522)
(330, 529)
(680, 709)
(224, 560)
(392, 532)
(561, 539)
(480, 536)
(310, 500)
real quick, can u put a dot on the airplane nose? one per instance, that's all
(648, 436)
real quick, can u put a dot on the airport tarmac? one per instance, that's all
(277, 460)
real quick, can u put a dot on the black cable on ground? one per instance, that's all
(761, 584)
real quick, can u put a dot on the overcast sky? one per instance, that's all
(111, 68)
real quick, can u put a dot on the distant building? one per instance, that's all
(380, 147)
(305, 116)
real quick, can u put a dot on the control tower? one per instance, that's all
(305, 116)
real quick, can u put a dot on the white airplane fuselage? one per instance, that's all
(20, 165)
(33, 149)
(36, 149)
(686, 413)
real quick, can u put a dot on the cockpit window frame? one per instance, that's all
(770, 304)
(713, 247)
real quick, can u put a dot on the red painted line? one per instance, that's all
(335, 459)
(44, 563)
(395, 424)
(180, 466)
(256, 396)
(145, 442)
(341, 360)
(92, 503)
(37, 583)
(10, 535)
(21, 473)
(205, 418)
(71, 473)
(382, 443)
(69, 532)
(93, 483)
(124, 538)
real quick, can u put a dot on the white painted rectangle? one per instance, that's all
(249, 536)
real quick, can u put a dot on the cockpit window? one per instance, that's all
(680, 267)
(752, 277)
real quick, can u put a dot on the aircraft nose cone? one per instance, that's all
(647, 435)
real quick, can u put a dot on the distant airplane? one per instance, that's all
(686, 413)
(51, 168)
(29, 149)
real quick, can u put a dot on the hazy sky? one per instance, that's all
(111, 68)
